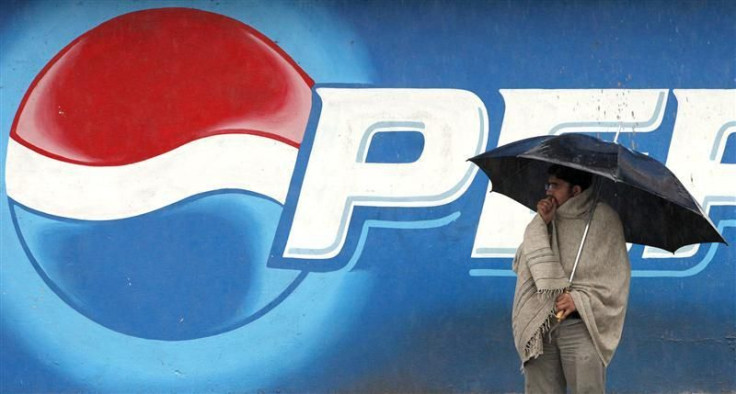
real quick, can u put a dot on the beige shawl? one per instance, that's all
(600, 288)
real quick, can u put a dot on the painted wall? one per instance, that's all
(274, 196)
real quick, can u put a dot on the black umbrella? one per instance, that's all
(654, 207)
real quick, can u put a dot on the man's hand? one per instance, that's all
(565, 304)
(546, 208)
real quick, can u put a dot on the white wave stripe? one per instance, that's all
(232, 161)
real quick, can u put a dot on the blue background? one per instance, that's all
(407, 317)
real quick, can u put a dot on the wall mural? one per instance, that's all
(237, 196)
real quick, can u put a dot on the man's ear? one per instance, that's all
(576, 190)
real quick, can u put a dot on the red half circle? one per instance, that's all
(144, 83)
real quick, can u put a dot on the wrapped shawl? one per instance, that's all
(600, 288)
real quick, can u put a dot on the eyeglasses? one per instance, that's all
(553, 186)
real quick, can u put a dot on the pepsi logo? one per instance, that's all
(147, 169)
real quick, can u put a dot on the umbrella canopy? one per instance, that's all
(654, 207)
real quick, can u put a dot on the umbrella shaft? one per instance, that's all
(580, 249)
(597, 186)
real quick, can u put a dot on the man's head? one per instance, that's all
(564, 183)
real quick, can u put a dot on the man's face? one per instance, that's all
(560, 190)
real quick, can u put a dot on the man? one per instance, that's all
(575, 350)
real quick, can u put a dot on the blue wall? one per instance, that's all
(404, 305)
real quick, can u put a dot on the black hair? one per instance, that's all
(571, 175)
